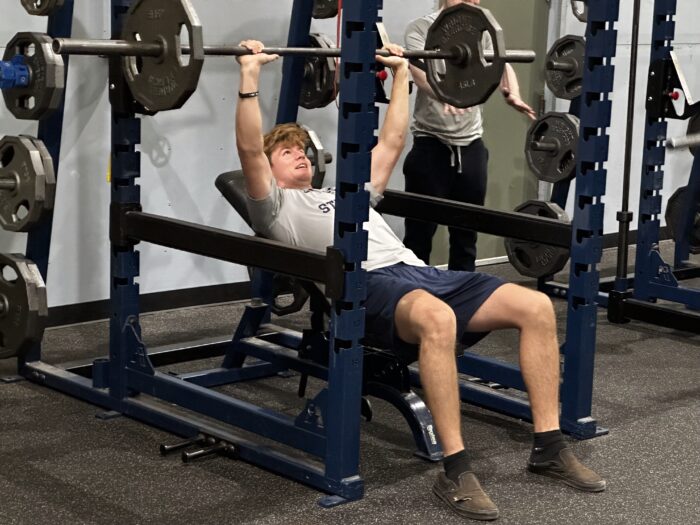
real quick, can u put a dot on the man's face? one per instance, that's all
(451, 3)
(291, 167)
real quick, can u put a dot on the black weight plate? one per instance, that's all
(674, 217)
(571, 50)
(694, 129)
(41, 7)
(580, 9)
(166, 82)
(533, 259)
(24, 206)
(23, 305)
(325, 8)
(472, 81)
(560, 130)
(319, 87)
(45, 90)
(50, 176)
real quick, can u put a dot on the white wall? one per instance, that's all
(678, 163)
(184, 150)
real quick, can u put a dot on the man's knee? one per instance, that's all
(436, 321)
(430, 319)
(540, 311)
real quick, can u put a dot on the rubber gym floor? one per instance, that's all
(61, 464)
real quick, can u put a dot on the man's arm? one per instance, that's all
(511, 91)
(392, 137)
(249, 133)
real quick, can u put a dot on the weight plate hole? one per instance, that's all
(566, 162)
(6, 157)
(25, 102)
(8, 274)
(28, 50)
(184, 41)
(484, 35)
(523, 257)
(21, 212)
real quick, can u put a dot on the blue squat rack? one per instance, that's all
(654, 278)
(327, 429)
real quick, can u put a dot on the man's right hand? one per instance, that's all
(258, 58)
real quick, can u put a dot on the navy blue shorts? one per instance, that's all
(465, 292)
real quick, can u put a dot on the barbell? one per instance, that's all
(162, 72)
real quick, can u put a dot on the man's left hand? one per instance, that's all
(519, 104)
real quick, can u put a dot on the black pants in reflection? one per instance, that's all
(429, 170)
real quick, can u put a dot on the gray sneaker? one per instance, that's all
(566, 468)
(466, 497)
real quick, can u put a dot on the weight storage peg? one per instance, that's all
(551, 147)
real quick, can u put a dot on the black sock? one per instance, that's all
(455, 464)
(546, 446)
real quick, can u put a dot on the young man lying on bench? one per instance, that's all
(417, 311)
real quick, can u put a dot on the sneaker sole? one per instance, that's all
(465, 513)
(543, 471)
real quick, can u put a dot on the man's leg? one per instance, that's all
(427, 172)
(512, 306)
(470, 187)
(422, 319)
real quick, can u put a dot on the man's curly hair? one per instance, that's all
(290, 134)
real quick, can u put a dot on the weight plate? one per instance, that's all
(24, 206)
(674, 219)
(580, 10)
(535, 259)
(49, 173)
(41, 7)
(469, 81)
(319, 87)
(23, 305)
(570, 52)
(551, 147)
(325, 8)
(694, 129)
(165, 82)
(46, 83)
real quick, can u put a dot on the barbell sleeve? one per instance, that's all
(76, 46)
(73, 46)
(688, 141)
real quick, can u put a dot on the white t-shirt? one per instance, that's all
(429, 119)
(305, 218)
